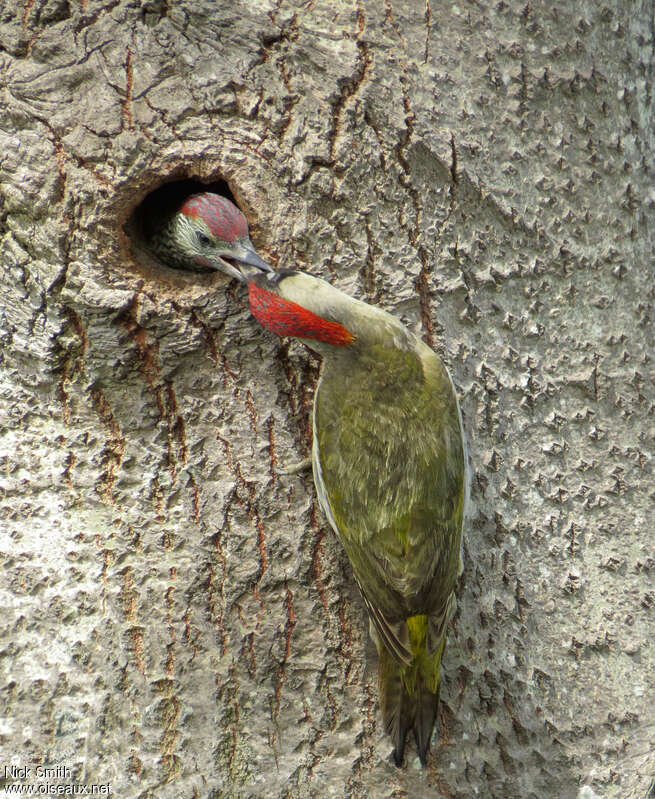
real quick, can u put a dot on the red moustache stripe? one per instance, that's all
(287, 318)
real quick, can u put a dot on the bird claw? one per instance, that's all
(296, 468)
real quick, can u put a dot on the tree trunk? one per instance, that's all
(177, 618)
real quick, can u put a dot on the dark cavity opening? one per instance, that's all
(153, 211)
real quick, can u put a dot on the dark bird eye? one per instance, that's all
(203, 238)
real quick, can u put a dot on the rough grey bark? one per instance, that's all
(177, 620)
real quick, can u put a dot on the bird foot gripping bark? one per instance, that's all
(296, 468)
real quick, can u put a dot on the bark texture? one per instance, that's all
(177, 620)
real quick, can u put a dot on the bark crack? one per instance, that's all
(354, 84)
(281, 676)
(112, 453)
(428, 22)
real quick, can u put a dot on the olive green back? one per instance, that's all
(389, 444)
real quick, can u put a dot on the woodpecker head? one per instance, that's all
(207, 231)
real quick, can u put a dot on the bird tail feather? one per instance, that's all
(409, 694)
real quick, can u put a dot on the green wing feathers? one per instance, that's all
(390, 475)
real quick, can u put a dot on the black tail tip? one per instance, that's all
(399, 748)
(422, 744)
(398, 755)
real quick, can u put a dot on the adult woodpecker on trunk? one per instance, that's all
(389, 468)
(388, 457)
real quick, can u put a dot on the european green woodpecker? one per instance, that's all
(208, 232)
(390, 474)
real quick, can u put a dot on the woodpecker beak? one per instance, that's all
(247, 255)
(244, 254)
